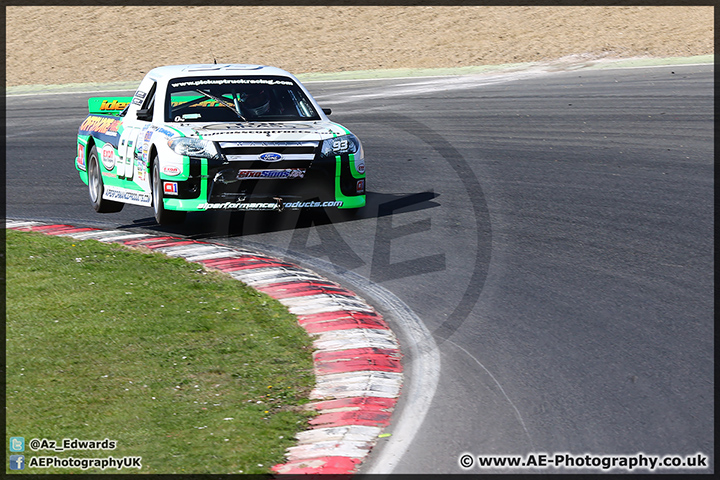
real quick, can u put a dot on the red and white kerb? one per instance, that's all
(357, 359)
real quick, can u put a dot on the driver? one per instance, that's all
(256, 103)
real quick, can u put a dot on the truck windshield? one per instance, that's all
(237, 99)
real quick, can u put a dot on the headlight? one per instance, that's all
(194, 147)
(340, 145)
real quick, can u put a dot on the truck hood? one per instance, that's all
(262, 131)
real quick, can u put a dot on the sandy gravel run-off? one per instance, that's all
(83, 44)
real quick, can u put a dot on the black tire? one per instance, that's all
(96, 187)
(162, 216)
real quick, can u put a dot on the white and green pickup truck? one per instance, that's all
(217, 137)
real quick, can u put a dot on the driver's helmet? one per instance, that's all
(257, 103)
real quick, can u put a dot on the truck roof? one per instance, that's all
(214, 70)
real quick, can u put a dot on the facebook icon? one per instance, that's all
(17, 462)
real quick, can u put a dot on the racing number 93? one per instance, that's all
(340, 145)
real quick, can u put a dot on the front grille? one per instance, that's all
(291, 154)
(245, 176)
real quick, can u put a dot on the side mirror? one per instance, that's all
(327, 111)
(144, 114)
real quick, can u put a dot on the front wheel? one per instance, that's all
(96, 187)
(162, 216)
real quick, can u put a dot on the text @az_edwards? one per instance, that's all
(585, 461)
(66, 444)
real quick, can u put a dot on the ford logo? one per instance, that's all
(270, 157)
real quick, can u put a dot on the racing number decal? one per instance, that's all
(126, 151)
(340, 145)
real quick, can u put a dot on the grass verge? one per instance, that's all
(186, 368)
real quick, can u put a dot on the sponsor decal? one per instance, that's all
(360, 186)
(141, 166)
(166, 132)
(185, 99)
(171, 170)
(232, 81)
(144, 144)
(188, 116)
(270, 157)
(100, 124)
(113, 106)
(81, 156)
(238, 206)
(138, 98)
(312, 204)
(264, 128)
(360, 165)
(297, 173)
(271, 174)
(268, 144)
(127, 196)
(107, 156)
(170, 188)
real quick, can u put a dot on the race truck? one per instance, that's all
(228, 137)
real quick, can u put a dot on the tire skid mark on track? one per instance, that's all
(357, 358)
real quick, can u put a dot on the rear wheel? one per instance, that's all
(162, 216)
(96, 187)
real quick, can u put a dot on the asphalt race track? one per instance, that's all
(553, 230)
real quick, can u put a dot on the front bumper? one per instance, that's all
(215, 185)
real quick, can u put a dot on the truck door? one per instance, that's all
(134, 123)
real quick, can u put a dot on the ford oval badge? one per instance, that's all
(270, 157)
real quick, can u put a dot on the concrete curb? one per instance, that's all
(357, 359)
